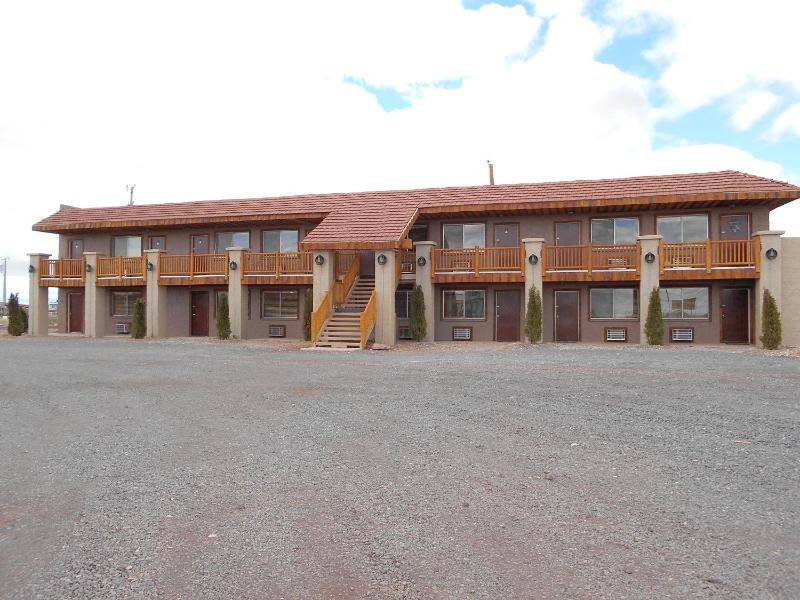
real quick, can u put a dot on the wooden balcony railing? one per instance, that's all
(506, 259)
(709, 254)
(320, 315)
(366, 321)
(408, 262)
(344, 282)
(591, 257)
(52, 270)
(276, 263)
(344, 260)
(193, 265)
(121, 266)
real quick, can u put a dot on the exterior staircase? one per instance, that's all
(342, 329)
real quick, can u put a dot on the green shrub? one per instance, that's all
(417, 324)
(654, 326)
(16, 326)
(533, 316)
(308, 304)
(24, 315)
(223, 318)
(772, 333)
(139, 323)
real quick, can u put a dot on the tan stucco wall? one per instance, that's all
(482, 329)
(790, 276)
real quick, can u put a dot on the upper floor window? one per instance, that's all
(464, 235)
(158, 242)
(126, 245)
(280, 240)
(734, 227)
(418, 233)
(231, 239)
(683, 228)
(617, 230)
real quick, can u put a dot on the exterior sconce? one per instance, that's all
(31, 268)
(649, 258)
(382, 259)
(421, 261)
(533, 259)
(88, 268)
(150, 266)
(233, 266)
(319, 260)
(771, 254)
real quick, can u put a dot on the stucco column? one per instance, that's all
(95, 300)
(649, 277)
(155, 298)
(323, 274)
(425, 281)
(770, 276)
(533, 272)
(237, 294)
(37, 298)
(385, 287)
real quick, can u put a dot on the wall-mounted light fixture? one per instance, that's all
(533, 259)
(421, 261)
(382, 259)
(150, 266)
(88, 268)
(649, 258)
(319, 260)
(771, 254)
(233, 266)
(31, 268)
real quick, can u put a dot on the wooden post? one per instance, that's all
(589, 262)
(756, 245)
(708, 256)
(661, 257)
(477, 262)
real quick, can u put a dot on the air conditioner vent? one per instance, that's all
(616, 334)
(123, 327)
(462, 334)
(404, 333)
(277, 331)
(682, 334)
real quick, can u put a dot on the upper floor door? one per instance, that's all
(568, 233)
(506, 234)
(200, 244)
(734, 227)
(75, 248)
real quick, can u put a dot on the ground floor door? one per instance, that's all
(567, 316)
(75, 312)
(507, 309)
(735, 316)
(367, 266)
(200, 313)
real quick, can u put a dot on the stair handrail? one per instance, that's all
(341, 289)
(366, 320)
(320, 315)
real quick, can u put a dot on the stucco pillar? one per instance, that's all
(37, 298)
(424, 277)
(237, 294)
(385, 287)
(649, 277)
(95, 300)
(533, 272)
(324, 274)
(770, 276)
(155, 298)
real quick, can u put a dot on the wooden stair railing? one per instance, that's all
(342, 288)
(366, 320)
(320, 315)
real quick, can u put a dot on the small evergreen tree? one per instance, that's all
(654, 326)
(24, 314)
(533, 316)
(308, 304)
(16, 326)
(418, 324)
(772, 333)
(139, 323)
(223, 318)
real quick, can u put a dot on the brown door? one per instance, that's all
(567, 308)
(506, 234)
(200, 244)
(367, 266)
(76, 248)
(735, 316)
(199, 313)
(75, 312)
(568, 233)
(507, 308)
(734, 227)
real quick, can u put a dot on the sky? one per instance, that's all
(203, 100)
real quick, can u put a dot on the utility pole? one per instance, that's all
(5, 270)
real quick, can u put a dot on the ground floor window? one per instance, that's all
(283, 304)
(685, 303)
(464, 304)
(613, 303)
(402, 303)
(122, 303)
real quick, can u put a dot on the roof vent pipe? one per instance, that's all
(491, 172)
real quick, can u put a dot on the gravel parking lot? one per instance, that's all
(222, 470)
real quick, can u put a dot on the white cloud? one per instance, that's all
(753, 107)
(787, 122)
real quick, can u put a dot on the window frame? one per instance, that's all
(687, 287)
(232, 231)
(613, 318)
(141, 244)
(407, 292)
(747, 214)
(462, 224)
(295, 291)
(279, 230)
(150, 239)
(464, 318)
(681, 216)
(127, 293)
(638, 219)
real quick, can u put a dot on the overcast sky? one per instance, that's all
(202, 100)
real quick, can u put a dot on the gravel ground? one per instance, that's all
(185, 470)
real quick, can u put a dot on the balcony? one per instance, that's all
(62, 272)
(501, 264)
(591, 262)
(260, 268)
(121, 271)
(193, 269)
(408, 265)
(710, 259)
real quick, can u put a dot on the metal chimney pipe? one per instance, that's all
(491, 172)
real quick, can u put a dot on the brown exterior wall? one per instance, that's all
(257, 328)
(483, 330)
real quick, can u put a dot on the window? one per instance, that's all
(285, 240)
(734, 227)
(613, 303)
(464, 235)
(158, 242)
(684, 303)
(464, 304)
(402, 303)
(685, 228)
(418, 233)
(126, 245)
(620, 230)
(284, 304)
(75, 248)
(231, 239)
(122, 303)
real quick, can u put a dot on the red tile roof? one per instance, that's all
(383, 218)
